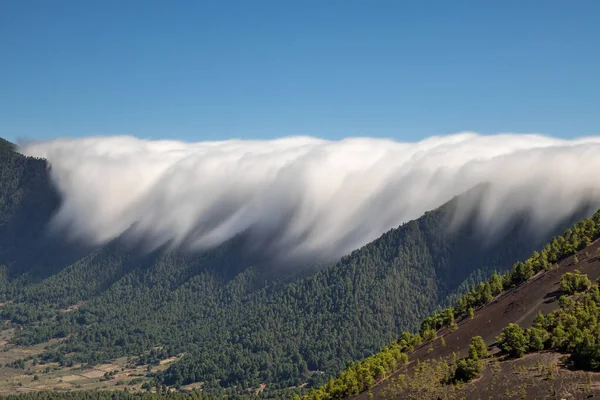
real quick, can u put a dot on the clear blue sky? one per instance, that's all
(199, 70)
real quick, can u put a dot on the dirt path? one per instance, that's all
(536, 307)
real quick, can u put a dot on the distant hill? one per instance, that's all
(222, 319)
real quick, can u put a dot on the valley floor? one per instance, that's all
(37, 376)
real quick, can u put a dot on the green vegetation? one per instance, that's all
(513, 341)
(472, 366)
(358, 377)
(361, 376)
(574, 282)
(477, 348)
(467, 369)
(536, 338)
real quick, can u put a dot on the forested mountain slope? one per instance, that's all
(27, 202)
(220, 317)
(5, 145)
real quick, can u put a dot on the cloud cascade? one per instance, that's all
(307, 197)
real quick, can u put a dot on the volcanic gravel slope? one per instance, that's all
(525, 378)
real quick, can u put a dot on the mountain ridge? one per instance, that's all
(220, 323)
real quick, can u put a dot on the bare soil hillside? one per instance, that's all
(505, 379)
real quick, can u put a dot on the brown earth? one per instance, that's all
(519, 305)
(50, 376)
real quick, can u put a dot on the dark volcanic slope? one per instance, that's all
(519, 305)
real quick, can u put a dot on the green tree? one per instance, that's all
(537, 338)
(477, 348)
(513, 341)
(521, 272)
(574, 282)
(468, 369)
(496, 284)
(429, 334)
(471, 313)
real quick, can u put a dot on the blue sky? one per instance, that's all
(208, 70)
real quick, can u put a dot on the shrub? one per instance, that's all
(537, 338)
(429, 334)
(477, 348)
(513, 341)
(468, 369)
(574, 282)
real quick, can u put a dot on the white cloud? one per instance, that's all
(304, 196)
